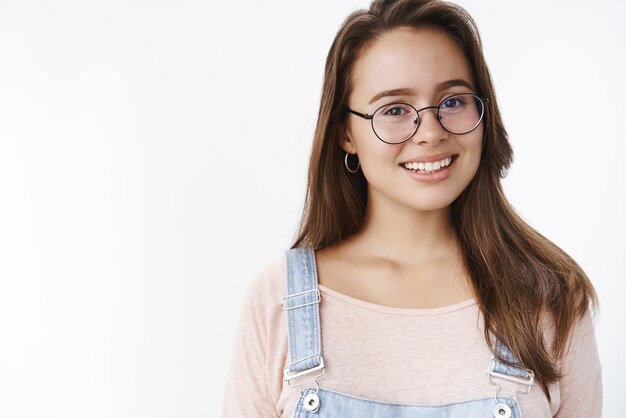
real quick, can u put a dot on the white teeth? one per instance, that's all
(430, 166)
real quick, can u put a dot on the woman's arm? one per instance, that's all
(581, 385)
(246, 390)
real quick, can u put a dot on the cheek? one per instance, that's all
(474, 149)
(369, 148)
(473, 142)
(360, 132)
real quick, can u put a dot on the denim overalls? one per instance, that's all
(305, 353)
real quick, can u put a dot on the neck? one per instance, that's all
(406, 235)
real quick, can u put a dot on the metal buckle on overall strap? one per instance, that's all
(289, 375)
(311, 401)
(527, 381)
(503, 410)
(317, 300)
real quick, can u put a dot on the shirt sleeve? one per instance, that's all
(581, 385)
(246, 389)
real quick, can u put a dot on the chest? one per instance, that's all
(428, 287)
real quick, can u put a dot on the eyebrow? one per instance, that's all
(409, 92)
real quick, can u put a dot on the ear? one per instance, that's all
(346, 142)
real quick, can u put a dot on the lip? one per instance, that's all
(429, 158)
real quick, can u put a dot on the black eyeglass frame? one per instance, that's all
(483, 100)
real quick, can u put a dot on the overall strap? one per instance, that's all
(502, 367)
(513, 372)
(303, 319)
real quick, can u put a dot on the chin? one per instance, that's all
(430, 203)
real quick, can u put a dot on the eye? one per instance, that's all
(394, 111)
(452, 102)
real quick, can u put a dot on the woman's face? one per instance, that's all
(419, 62)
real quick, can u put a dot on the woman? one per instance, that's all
(413, 289)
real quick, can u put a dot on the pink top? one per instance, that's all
(398, 355)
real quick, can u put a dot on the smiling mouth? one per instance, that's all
(430, 167)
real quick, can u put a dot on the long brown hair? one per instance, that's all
(517, 274)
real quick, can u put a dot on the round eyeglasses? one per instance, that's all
(458, 114)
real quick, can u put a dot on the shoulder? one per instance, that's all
(267, 285)
(580, 351)
(581, 382)
(581, 348)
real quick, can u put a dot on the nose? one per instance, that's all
(429, 130)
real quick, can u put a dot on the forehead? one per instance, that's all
(406, 58)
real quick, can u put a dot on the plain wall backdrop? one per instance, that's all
(153, 158)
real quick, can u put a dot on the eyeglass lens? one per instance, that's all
(457, 114)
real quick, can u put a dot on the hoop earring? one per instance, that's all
(358, 164)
